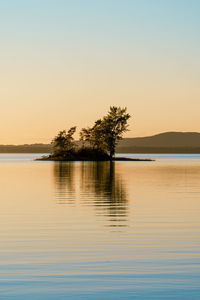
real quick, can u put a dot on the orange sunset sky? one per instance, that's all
(63, 63)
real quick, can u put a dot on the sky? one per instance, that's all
(63, 63)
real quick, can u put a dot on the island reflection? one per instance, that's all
(64, 182)
(95, 184)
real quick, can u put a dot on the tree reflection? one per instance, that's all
(99, 185)
(64, 181)
(109, 194)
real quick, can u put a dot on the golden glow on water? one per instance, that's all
(133, 219)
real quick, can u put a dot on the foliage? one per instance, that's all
(92, 136)
(88, 153)
(106, 133)
(114, 125)
(64, 142)
(98, 142)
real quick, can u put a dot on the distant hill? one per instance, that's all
(167, 142)
(32, 148)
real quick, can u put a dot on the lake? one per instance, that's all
(86, 230)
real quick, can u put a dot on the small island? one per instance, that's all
(96, 143)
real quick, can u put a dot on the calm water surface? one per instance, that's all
(84, 230)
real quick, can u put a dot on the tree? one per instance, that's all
(92, 136)
(106, 132)
(64, 142)
(114, 124)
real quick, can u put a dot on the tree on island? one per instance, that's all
(114, 126)
(63, 143)
(106, 133)
(93, 136)
(98, 142)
